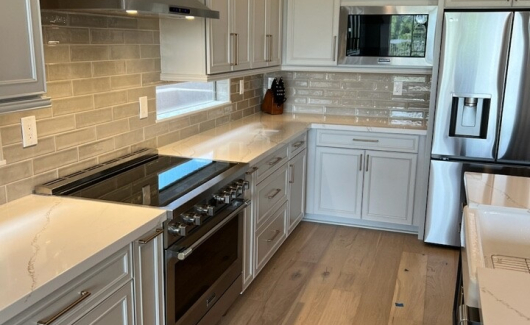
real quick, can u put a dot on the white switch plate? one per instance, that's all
(3, 162)
(398, 88)
(144, 109)
(29, 131)
(241, 87)
(269, 83)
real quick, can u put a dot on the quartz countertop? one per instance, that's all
(497, 190)
(504, 297)
(250, 138)
(47, 241)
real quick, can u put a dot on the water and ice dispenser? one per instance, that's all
(469, 116)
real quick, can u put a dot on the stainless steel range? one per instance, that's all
(202, 240)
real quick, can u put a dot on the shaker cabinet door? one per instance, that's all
(297, 187)
(338, 182)
(389, 184)
(241, 29)
(221, 41)
(22, 68)
(312, 32)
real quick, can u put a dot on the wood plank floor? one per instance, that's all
(333, 275)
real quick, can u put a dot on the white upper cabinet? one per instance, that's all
(312, 32)
(229, 36)
(22, 68)
(486, 3)
(266, 33)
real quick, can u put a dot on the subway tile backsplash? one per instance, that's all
(367, 96)
(97, 67)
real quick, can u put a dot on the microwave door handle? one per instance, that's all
(183, 254)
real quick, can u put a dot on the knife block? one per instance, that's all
(268, 106)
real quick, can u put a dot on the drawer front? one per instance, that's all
(272, 192)
(270, 237)
(297, 145)
(271, 163)
(368, 140)
(83, 293)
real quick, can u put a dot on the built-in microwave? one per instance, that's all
(387, 35)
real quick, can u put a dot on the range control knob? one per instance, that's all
(243, 183)
(234, 192)
(177, 230)
(223, 197)
(205, 209)
(191, 218)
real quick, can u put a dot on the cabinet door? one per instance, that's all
(338, 182)
(477, 3)
(312, 30)
(22, 68)
(116, 309)
(259, 34)
(241, 29)
(389, 184)
(221, 41)
(149, 279)
(297, 181)
(274, 21)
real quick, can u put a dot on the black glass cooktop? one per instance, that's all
(156, 182)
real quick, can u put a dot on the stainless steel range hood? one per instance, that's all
(157, 8)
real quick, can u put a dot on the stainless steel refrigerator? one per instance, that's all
(482, 117)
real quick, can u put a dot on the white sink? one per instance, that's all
(495, 237)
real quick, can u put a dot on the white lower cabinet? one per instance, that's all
(297, 187)
(124, 289)
(277, 191)
(116, 309)
(356, 179)
(149, 278)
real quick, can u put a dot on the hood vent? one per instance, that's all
(131, 8)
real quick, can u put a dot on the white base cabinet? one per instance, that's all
(359, 177)
(277, 191)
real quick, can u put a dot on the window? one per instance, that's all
(188, 97)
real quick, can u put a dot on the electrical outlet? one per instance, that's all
(3, 162)
(241, 87)
(144, 109)
(398, 88)
(269, 83)
(29, 131)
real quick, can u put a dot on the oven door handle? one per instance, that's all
(183, 254)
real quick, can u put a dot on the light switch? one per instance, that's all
(29, 131)
(144, 107)
(241, 87)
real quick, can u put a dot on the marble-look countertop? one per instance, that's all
(48, 241)
(249, 139)
(504, 297)
(497, 190)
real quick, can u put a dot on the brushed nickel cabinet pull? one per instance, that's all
(276, 192)
(233, 52)
(276, 233)
(48, 321)
(237, 49)
(298, 144)
(271, 44)
(291, 180)
(367, 161)
(275, 161)
(365, 140)
(335, 48)
(361, 163)
(157, 233)
(251, 170)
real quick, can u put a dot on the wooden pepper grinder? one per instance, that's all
(274, 98)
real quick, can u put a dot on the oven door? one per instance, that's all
(198, 273)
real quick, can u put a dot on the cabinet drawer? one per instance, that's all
(271, 163)
(270, 237)
(99, 282)
(297, 145)
(367, 140)
(272, 192)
